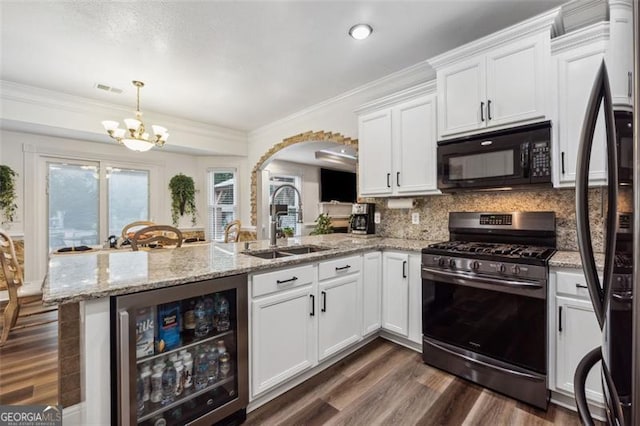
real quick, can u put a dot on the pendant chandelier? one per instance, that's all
(135, 137)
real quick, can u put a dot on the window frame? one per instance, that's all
(209, 235)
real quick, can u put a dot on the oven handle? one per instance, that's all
(455, 278)
(482, 363)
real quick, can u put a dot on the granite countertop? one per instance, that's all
(571, 259)
(94, 274)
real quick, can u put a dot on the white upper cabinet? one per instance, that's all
(374, 152)
(397, 144)
(620, 53)
(577, 57)
(499, 80)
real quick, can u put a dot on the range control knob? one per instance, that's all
(440, 261)
(501, 268)
(475, 265)
(452, 263)
(515, 270)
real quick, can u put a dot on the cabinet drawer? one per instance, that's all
(572, 283)
(339, 267)
(271, 282)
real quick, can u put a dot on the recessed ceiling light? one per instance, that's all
(360, 31)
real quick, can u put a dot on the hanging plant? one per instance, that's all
(8, 194)
(183, 198)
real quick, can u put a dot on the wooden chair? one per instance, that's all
(156, 234)
(232, 231)
(129, 230)
(18, 295)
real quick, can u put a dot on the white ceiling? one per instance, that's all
(304, 153)
(237, 64)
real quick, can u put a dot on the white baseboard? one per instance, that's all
(568, 402)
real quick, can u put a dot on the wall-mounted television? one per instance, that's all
(337, 185)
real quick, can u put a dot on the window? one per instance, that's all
(223, 206)
(73, 199)
(75, 203)
(287, 197)
(128, 197)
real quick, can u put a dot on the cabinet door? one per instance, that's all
(516, 82)
(461, 97)
(415, 145)
(395, 293)
(374, 151)
(283, 339)
(577, 334)
(372, 292)
(620, 52)
(576, 74)
(340, 324)
(415, 298)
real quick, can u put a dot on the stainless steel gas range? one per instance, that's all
(484, 301)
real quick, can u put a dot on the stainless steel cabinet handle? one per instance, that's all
(630, 84)
(125, 403)
(313, 305)
(560, 319)
(481, 111)
(342, 268)
(290, 280)
(489, 109)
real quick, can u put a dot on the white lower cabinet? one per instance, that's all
(395, 292)
(371, 292)
(340, 313)
(283, 333)
(576, 333)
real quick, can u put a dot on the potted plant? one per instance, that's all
(323, 225)
(8, 194)
(183, 198)
(288, 231)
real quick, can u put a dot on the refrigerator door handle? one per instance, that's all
(599, 294)
(125, 403)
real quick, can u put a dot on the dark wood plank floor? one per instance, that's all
(29, 364)
(387, 384)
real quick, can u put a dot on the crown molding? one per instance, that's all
(411, 75)
(401, 96)
(593, 33)
(538, 24)
(46, 99)
(625, 4)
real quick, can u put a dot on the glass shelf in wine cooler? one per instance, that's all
(189, 345)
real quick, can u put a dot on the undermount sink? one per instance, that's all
(302, 249)
(279, 252)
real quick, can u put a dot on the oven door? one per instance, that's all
(504, 320)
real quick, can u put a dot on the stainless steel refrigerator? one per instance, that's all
(180, 354)
(613, 299)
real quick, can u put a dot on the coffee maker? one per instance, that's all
(362, 219)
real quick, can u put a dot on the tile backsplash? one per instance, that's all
(434, 213)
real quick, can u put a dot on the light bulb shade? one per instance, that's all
(119, 133)
(145, 136)
(158, 130)
(110, 125)
(137, 145)
(132, 124)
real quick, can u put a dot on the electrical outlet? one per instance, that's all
(415, 218)
(376, 217)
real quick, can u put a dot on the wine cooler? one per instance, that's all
(179, 354)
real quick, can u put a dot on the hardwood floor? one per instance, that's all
(29, 365)
(387, 384)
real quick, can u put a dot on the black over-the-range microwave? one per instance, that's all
(495, 160)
